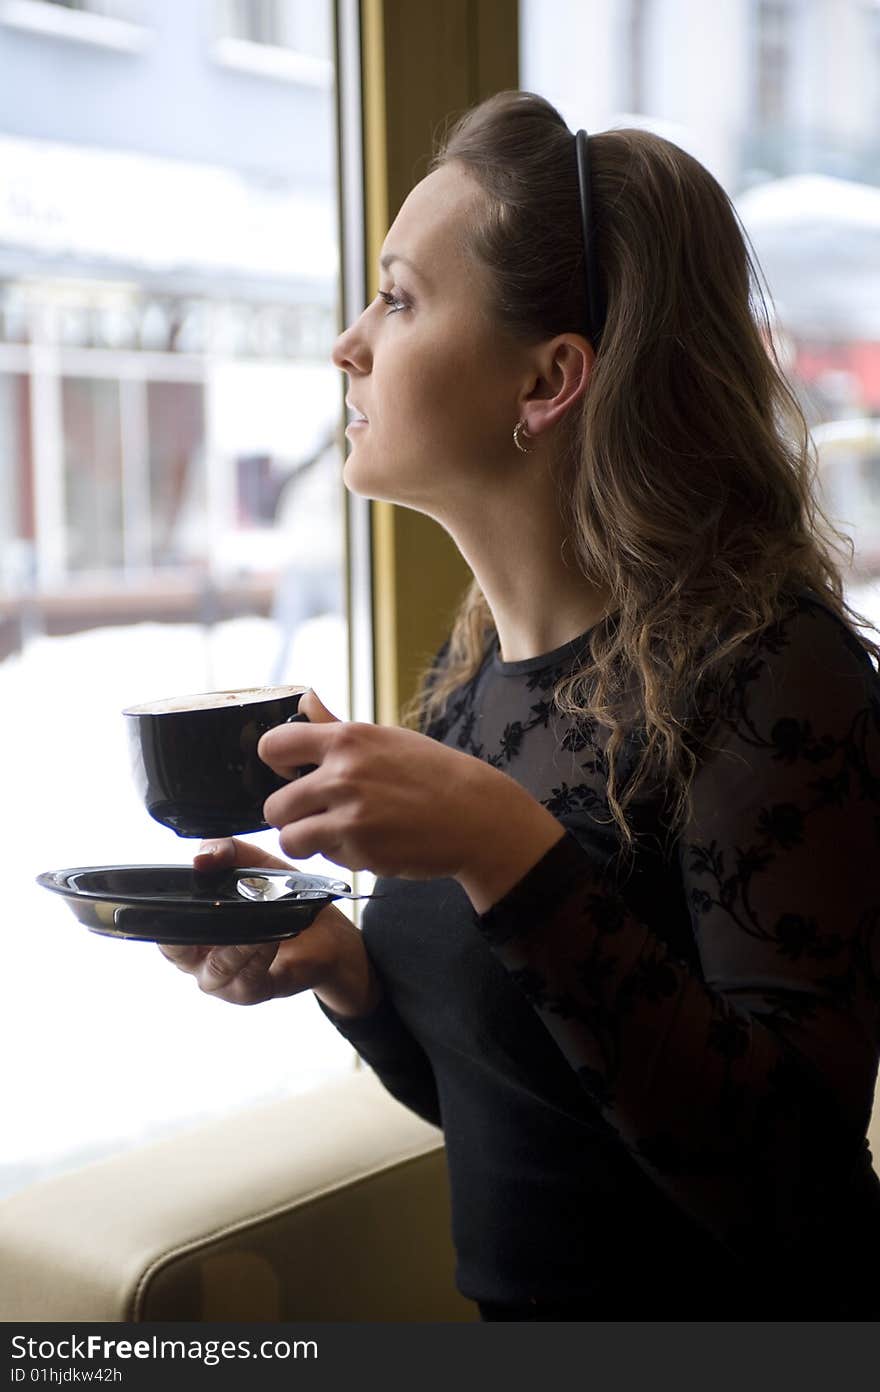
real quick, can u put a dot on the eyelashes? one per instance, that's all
(393, 301)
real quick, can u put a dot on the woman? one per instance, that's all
(630, 965)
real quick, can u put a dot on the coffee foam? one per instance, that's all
(214, 700)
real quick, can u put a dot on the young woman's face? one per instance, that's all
(435, 378)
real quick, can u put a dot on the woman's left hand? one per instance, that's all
(388, 800)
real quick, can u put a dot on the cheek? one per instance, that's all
(434, 390)
(414, 381)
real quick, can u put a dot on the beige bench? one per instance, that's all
(331, 1205)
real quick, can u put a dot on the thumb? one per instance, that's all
(226, 852)
(315, 710)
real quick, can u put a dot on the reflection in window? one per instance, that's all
(772, 61)
(14, 314)
(176, 434)
(132, 11)
(168, 302)
(299, 25)
(767, 94)
(258, 490)
(637, 27)
(871, 475)
(16, 483)
(92, 473)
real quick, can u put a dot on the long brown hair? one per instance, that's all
(688, 480)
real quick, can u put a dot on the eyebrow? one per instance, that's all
(390, 257)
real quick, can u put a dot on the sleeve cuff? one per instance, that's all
(380, 1022)
(548, 884)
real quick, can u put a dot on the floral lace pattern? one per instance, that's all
(689, 1050)
(741, 1079)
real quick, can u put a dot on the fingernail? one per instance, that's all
(209, 848)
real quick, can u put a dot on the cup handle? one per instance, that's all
(302, 768)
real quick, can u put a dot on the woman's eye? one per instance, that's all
(392, 300)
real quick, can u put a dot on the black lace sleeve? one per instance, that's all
(740, 1081)
(432, 727)
(383, 1041)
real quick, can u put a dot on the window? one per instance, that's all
(871, 34)
(114, 24)
(294, 24)
(637, 22)
(772, 61)
(287, 39)
(777, 99)
(110, 9)
(16, 486)
(93, 510)
(175, 433)
(168, 303)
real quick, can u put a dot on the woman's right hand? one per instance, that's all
(328, 957)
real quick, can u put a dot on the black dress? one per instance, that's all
(655, 1084)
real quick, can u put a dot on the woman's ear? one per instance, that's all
(562, 374)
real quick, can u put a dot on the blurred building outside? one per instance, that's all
(780, 99)
(311, 583)
(168, 293)
(168, 302)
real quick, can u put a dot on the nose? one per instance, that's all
(351, 351)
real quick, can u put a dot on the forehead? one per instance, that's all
(431, 227)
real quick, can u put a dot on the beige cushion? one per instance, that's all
(332, 1205)
(874, 1129)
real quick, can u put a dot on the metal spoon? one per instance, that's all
(262, 887)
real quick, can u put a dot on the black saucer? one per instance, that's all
(173, 904)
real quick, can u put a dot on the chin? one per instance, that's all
(356, 477)
(361, 477)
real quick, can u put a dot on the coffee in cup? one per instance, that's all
(195, 762)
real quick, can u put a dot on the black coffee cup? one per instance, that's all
(195, 760)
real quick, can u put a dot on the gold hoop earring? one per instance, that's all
(520, 430)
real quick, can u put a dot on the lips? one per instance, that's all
(354, 413)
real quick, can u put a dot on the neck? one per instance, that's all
(538, 598)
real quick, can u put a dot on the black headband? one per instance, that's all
(595, 298)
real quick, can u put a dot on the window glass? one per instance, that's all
(111, 9)
(16, 480)
(90, 428)
(171, 521)
(176, 445)
(778, 98)
(294, 24)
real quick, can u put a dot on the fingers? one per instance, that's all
(288, 748)
(248, 973)
(239, 973)
(310, 836)
(293, 802)
(229, 851)
(315, 710)
(186, 957)
(215, 855)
